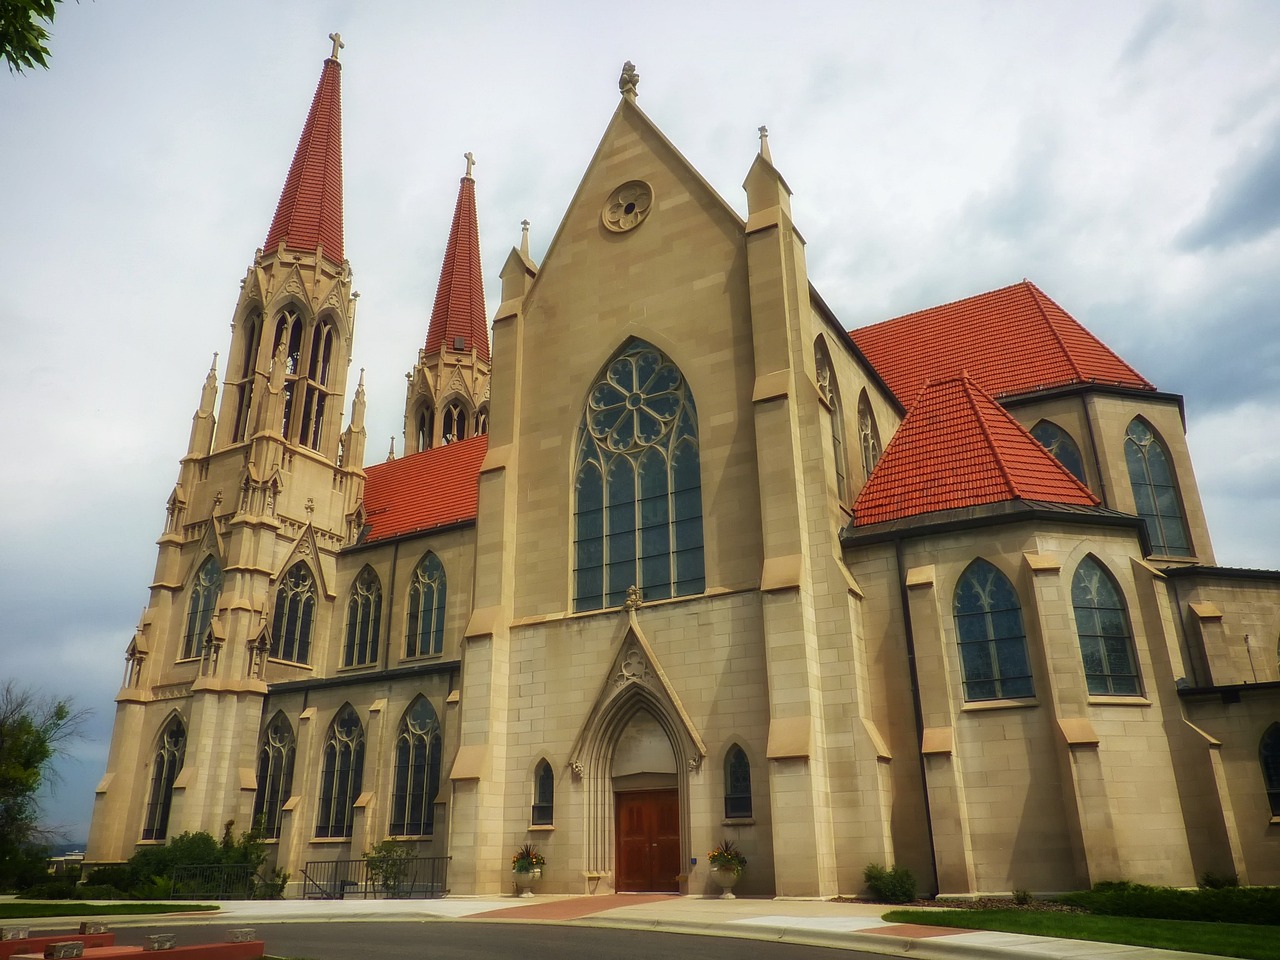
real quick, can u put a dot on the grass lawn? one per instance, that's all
(12, 909)
(1253, 941)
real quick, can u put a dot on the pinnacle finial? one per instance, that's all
(337, 45)
(391, 454)
(524, 238)
(764, 144)
(629, 81)
(471, 162)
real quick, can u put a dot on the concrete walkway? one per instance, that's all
(814, 922)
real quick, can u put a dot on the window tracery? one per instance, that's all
(364, 617)
(205, 590)
(990, 635)
(1102, 625)
(1155, 492)
(341, 774)
(295, 615)
(1060, 443)
(425, 633)
(868, 434)
(166, 764)
(417, 776)
(276, 755)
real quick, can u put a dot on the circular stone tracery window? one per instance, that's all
(627, 206)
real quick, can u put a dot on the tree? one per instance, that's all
(23, 35)
(34, 729)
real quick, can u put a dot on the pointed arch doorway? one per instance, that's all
(646, 803)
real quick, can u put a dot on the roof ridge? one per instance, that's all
(968, 386)
(1036, 297)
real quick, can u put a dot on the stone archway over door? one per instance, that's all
(648, 841)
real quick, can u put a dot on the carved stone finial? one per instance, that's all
(391, 454)
(471, 162)
(633, 598)
(337, 45)
(764, 143)
(629, 81)
(524, 238)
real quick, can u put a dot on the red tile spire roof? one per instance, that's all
(958, 448)
(309, 214)
(459, 307)
(434, 488)
(1013, 340)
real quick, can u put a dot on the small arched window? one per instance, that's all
(425, 633)
(315, 395)
(830, 392)
(364, 618)
(1059, 443)
(341, 774)
(417, 780)
(1155, 492)
(868, 434)
(250, 340)
(1102, 624)
(295, 615)
(482, 420)
(454, 424)
(166, 764)
(426, 424)
(992, 641)
(289, 336)
(1269, 757)
(544, 795)
(737, 784)
(275, 775)
(205, 590)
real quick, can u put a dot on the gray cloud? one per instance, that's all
(1245, 204)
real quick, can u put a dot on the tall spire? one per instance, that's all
(458, 316)
(309, 214)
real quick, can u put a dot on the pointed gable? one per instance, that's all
(459, 311)
(309, 214)
(958, 448)
(434, 488)
(1013, 340)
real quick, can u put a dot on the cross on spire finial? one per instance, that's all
(337, 45)
(524, 237)
(764, 143)
(471, 162)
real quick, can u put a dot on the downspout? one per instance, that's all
(915, 702)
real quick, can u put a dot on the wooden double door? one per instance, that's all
(648, 841)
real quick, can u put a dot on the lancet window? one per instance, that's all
(868, 434)
(543, 813)
(166, 764)
(1059, 443)
(830, 392)
(425, 425)
(1269, 757)
(425, 632)
(1155, 492)
(1102, 624)
(341, 774)
(737, 784)
(205, 590)
(310, 353)
(244, 387)
(417, 774)
(455, 422)
(295, 615)
(364, 618)
(992, 641)
(275, 775)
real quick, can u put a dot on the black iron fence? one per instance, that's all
(394, 879)
(217, 881)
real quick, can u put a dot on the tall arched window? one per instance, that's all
(204, 599)
(993, 644)
(638, 484)
(295, 615)
(426, 424)
(166, 764)
(1269, 757)
(364, 617)
(454, 424)
(417, 785)
(248, 367)
(868, 434)
(289, 334)
(275, 775)
(737, 784)
(482, 419)
(341, 774)
(830, 392)
(315, 385)
(1155, 492)
(1102, 624)
(544, 795)
(1059, 443)
(425, 633)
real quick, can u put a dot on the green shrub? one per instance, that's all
(1220, 905)
(1218, 881)
(118, 876)
(891, 886)
(271, 888)
(100, 891)
(52, 890)
(157, 888)
(1022, 897)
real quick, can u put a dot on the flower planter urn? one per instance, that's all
(726, 877)
(525, 879)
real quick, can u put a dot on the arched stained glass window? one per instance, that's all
(1155, 492)
(275, 775)
(248, 367)
(364, 617)
(638, 511)
(544, 795)
(166, 764)
(1059, 443)
(417, 777)
(830, 392)
(425, 632)
(992, 641)
(1102, 624)
(737, 784)
(295, 615)
(1269, 757)
(341, 774)
(204, 599)
(868, 434)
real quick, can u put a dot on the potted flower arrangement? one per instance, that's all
(526, 868)
(726, 862)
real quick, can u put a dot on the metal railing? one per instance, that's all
(216, 881)
(412, 878)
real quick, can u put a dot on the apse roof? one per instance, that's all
(434, 488)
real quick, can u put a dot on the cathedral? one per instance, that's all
(938, 592)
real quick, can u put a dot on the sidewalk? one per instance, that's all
(812, 922)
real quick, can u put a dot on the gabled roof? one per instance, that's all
(459, 307)
(957, 448)
(434, 488)
(309, 214)
(1013, 340)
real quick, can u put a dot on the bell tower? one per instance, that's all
(448, 394)
(271, 484)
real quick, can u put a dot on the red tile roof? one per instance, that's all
(309, 213)
(459, 307)
(433, 488)
(958, 448)
(1013, 340)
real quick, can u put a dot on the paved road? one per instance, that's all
(474, 940)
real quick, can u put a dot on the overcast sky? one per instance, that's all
(1124, 156)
